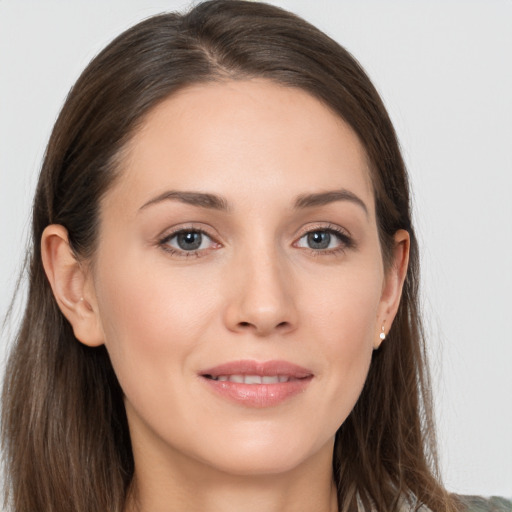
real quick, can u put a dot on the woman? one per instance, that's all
(222, 311)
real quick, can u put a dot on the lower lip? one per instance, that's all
(258, 395)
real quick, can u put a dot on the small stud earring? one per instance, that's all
(382, 335)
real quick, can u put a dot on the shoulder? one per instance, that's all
(480, 504)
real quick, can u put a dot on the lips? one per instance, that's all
(257, 384)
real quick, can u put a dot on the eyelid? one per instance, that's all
(346, 241)
(323, 226)
(169, 234)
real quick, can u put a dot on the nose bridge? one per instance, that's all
(262, 290)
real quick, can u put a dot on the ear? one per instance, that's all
(393, 284)
(71, 285)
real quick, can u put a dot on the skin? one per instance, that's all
(255, 289)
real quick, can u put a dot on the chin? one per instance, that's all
(259, 457)
(260, 466)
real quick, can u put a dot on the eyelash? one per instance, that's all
(344, 239)
(164, 243)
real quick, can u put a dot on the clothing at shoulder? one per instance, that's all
(479, 504)
(467, 504)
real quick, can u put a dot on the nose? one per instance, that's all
(262, 296)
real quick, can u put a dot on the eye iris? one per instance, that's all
(189, 241)
(319, 239)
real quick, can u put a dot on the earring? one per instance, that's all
(382, 335)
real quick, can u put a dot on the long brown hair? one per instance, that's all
(64, 428)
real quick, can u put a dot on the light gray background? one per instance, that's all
(444, 69)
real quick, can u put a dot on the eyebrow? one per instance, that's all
(331, 196)
(215, 202)
(200, 199)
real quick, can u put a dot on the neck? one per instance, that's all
(176, 484)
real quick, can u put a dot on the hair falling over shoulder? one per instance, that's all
(64, 429)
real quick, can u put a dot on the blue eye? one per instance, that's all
(319, 240)
(324, 240)
(189, 240)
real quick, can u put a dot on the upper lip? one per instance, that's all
(264, 369)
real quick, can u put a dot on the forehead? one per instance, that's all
(252, 138)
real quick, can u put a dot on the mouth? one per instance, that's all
(257, 384)
(252, 379)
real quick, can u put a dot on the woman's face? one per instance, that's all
(239, 281)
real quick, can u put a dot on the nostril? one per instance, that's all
(281, 326)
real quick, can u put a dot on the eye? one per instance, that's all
(187, 241)
(319, 240)
(325, 239)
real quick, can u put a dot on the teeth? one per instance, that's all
(253, 379)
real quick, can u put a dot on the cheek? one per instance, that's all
(342, 318)
(152, 318)
(344, 305)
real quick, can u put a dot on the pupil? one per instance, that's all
(319, 240)
(189, 241)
